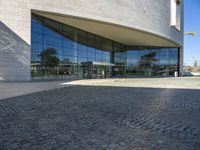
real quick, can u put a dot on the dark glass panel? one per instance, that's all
(132, 54)
(82, 60)
(69, 43)
(132, 62)
(69, 36)
(93, 59)
(36, 19)
(99, 57)
(106, 45)
(142, 53)
(164, 53)
(35, 57)
(132, 71)
(56, 48)
(91, 55)
(53, 25)
(164, 62)
(69, 70)
(106, 55)
(69, 51)
(37, 28)
(52, 33)
(82, 34)
(37, 37)
(69, 29)
(173, 62)
(116, 47)
(173, 53)
(173, 68)
(91, 50)
(91, 37)
(48, 40)
(82, 47)
(99, 45)
(119, 71)
(82, 53)
(69, 60)
(156, 53)
(60, 57)
(38, 47)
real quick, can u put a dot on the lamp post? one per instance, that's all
(190, 33)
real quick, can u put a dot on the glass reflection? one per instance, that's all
(60, 51)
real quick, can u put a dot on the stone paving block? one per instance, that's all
(75, 118)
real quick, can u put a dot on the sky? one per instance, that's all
(192, 23)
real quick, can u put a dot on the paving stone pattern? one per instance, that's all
(102, 118)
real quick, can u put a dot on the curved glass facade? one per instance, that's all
(60, 51)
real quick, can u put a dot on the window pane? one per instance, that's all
(53, 25)
(35, 57)
(69, 59)
(69, 43)
(58, 50)
(132, 62)
(37, 37)
(36, 19)
(69, 52)
(174, 62)
(173, 53)
(37, 47)
(164, 53)
(37, 28)
(132, 54)
(91, 55)
(51, 32)
(164, 62)
(48, 40)
(68, 29)
(82, 59)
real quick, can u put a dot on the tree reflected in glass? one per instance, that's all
(148, 61)
(49, 60)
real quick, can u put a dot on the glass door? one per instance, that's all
(96, 71)
(101, 72)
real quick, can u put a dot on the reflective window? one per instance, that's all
(164, 53)
(37, 37)
(132, 54)
(37, 47)
(48, 40)
(60, 51)
(37, 27)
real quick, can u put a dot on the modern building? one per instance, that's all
(44, 39)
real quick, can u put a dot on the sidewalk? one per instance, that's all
(12, 89)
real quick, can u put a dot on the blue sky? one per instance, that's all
(192, 23)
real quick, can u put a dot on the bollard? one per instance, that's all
(176, 74)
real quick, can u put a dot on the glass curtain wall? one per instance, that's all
(60, 51)
(152, 61)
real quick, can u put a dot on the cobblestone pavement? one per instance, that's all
(102, 118)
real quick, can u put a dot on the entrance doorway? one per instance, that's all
(92, 70)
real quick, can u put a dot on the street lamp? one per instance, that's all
(190, 33)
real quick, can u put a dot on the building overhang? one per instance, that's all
(122, 34)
